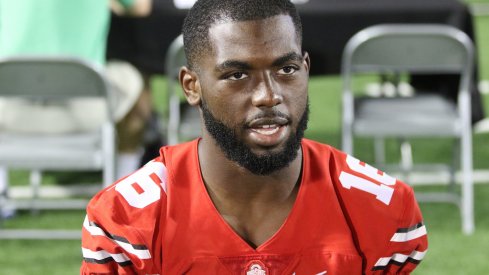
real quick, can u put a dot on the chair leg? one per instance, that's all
(3, 192)
(467, 200)
(35, 181)
(109, 150)
(347, 145)
(3, 180)
(406, 159)
(456, 156)
(379, 151)
(174, 120)
(7, 210)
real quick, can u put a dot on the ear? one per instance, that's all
(191, 85)
(307, 61)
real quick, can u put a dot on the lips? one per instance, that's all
(268, 129)
(264, 123)
(268, 132)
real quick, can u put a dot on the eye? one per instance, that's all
(237, 76)
(287, 70)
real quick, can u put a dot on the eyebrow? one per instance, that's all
(292, 56)
(241, 65)
(233, 64)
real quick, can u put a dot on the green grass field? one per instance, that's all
(450, 251)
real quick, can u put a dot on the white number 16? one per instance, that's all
(382, 192)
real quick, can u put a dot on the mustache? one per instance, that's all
(268, 115)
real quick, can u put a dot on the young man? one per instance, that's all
(252, 196)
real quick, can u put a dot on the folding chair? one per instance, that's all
(47, 79)
(398, 50)
(183, 120)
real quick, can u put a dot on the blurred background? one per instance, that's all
(144, 42)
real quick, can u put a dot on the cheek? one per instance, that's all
(225, 109)
(297, 95)
(300, 108)
(298, 101)
(231, 101)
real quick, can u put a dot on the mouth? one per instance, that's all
(268, 132)
(268, 129)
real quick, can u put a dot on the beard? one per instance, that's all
(237, 151)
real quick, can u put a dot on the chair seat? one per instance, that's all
(69, 151)
(422, 116)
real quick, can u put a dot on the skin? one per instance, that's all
(254, 68)
(140, 8)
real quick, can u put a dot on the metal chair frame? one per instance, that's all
(47, 79)
(420, 49)
(182, 124)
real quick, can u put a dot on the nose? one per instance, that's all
(267, 93)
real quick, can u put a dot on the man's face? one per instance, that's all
(253, 89)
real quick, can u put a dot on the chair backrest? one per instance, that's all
(175, 59)
(408, 48)
(58, 78)
(419, 48)
(405, 49)
(50, 78)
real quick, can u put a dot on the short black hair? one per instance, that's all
(205, 13)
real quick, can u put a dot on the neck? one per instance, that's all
(254, 206)
(227, 181)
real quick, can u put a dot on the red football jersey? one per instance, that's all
(348, 218)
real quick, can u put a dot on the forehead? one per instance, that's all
(253, 40)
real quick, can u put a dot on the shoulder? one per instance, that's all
(145, 190)
(123, 221)
(355, 178)
(381, 210)
(123, 227)
(134, 201)
(139, 189)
